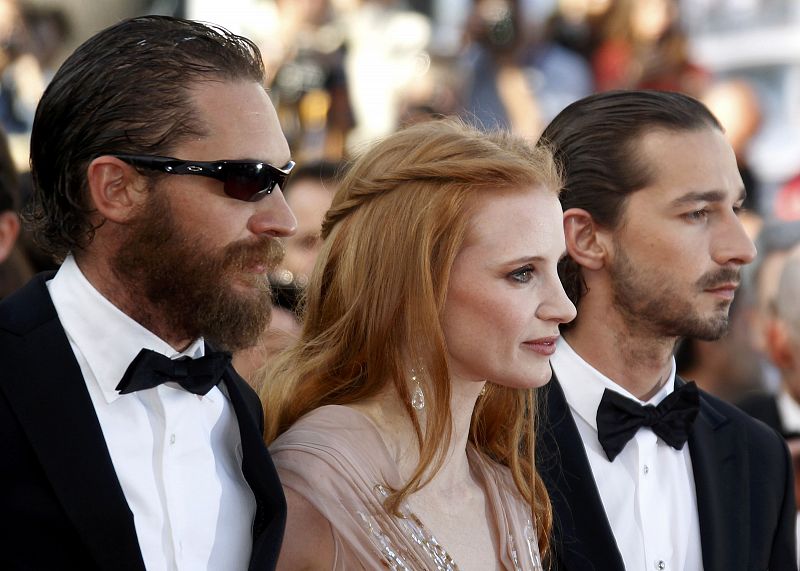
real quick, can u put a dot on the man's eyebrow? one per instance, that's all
(705, 196)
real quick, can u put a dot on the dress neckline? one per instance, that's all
(489, 474)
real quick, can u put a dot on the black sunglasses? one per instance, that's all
(243, 180)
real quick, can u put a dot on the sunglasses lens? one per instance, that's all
(248, 181)
(242, 187)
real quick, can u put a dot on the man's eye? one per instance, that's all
(701, 214)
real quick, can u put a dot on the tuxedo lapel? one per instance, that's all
(583, 536)
(260, 473)
(722, 486)
(53, 405)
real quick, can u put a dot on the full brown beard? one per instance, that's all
(187, 288)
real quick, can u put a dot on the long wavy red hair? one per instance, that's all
(375, 299)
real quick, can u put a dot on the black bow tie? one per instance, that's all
(150, 369)
(618, 418)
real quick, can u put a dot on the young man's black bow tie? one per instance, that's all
(150, 369)
(618, 418)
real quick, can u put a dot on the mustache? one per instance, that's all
(243, 254)
(719, 277)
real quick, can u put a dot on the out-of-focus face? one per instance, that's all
(309, 199)
(199, 256)
(505, 301)
(680, 247)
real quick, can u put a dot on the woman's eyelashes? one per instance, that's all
(522, 275)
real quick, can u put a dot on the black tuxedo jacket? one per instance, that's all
(61, 504)
(743, 480)
(764, 407)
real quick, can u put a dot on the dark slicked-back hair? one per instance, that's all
(125, 90)
(594, 141)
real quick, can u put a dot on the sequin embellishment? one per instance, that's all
(437, 557)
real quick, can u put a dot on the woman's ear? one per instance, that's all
(586, 242)
(117, 189)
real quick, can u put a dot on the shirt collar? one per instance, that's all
(106, 337)
(788, 411)
(584, 385)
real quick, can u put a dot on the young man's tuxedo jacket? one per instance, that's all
(743, 480)
(61, 504)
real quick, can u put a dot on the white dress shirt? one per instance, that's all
(177, 455)
(648, 490)
(788, 411)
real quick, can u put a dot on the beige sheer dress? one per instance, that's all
(335, 458)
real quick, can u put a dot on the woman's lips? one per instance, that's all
(544, 345)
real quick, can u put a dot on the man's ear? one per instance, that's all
(116, 188)
(9, 230)
(586, 242)
(779, 346)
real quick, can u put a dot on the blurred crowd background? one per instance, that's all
(345, 72)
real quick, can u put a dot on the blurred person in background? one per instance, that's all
(13, 40)
(498, 94)
(761, 278)
(15, 270)
(781, 411)
(305, 40)
(404, 437)
(644, 469)
(129, 441)
(786, 205)
(386, 53)
(642, 46)
(735, 103)
(557, 75)
(576, 25)
(309, 194)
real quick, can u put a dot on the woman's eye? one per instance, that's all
(522, 275)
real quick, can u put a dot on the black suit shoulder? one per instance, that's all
(745, 489)
(760, 433)
(27, 308)
(764, 407)
(61, 504)
(743, 480)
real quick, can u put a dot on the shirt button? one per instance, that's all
(172, 439)
(646, 471)
(661, 565)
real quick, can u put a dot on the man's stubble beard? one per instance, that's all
(649, 302)
(188, 291)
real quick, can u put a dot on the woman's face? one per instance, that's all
(505, 301)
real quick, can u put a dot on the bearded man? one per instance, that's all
(129, 442)
(644, 470)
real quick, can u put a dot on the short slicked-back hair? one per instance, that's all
(594, 140)
(125, 90)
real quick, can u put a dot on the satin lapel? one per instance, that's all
(721, 482)
(260, 473)
(53, 405)
(581, 528)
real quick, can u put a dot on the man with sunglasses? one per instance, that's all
(128, 441)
